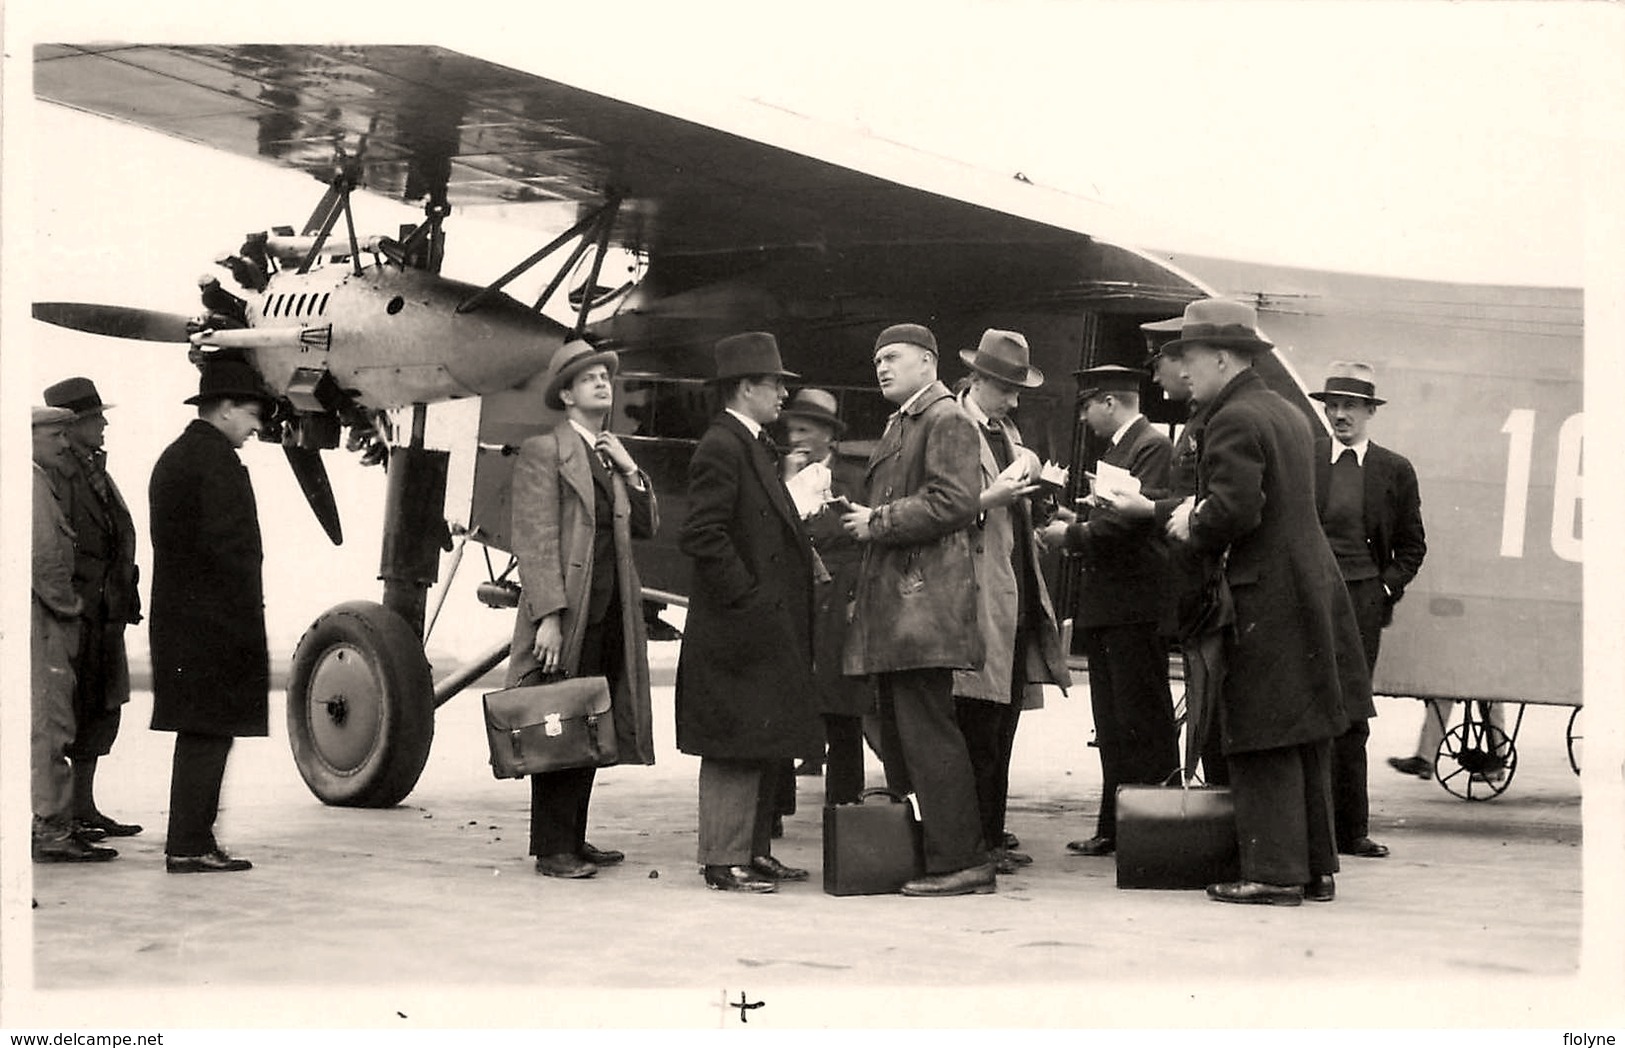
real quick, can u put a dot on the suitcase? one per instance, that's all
(1176, 837)
(871, 848)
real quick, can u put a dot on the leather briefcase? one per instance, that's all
(1175, 836)
(871, 848)
(548, 727)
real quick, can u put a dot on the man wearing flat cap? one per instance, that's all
(210, 664)
(104, 576)
(1371, 510)
(745, 695)
(1021, 641)
(914, 621)
(1293, 668)
(1121, 594)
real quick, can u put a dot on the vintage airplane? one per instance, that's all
(718, 231)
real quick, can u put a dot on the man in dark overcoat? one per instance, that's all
(1293, 668)
(914, 621)
(210, 664)
(1122, 594)
(1371, 510)
(104, 576)
(745, 696)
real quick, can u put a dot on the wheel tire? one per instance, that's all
(360, 707)
(1485, 759)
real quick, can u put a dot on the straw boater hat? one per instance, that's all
(815, 405)
(77, 394)
(572, 359)
(1350, 378)
(1004, 355)
(1220, 322)
(51, 416)
(232, 379)
(747, 354)
(1108, 378)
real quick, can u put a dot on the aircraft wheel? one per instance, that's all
(360, 706)
(1484, 760)
(1574, 738)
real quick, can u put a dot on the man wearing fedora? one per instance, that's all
(53, 641)
(210, 664)
(1121, 595)
(746, 701)
(1293, 670)
(914, 622)
(104, 576)
(1021, 642)
(816, 473)
(1371, 510)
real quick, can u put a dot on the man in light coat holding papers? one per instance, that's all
(1120, 598)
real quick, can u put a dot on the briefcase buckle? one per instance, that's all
(552, 726)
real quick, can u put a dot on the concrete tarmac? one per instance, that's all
(407, 915)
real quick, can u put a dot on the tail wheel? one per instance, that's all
(1574, 738)
(1484, 760)
(360, 707)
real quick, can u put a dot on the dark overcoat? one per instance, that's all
(1123, 562)
(917, 593)
(744, 676)
(843, 559)
(1392, 512)
(1294, 662)
(553, 525)
(210, 666)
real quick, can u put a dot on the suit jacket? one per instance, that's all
(917, 595)
(1123, 563)
(211, 670)
(1392, 513)
(745, 675)
(843, 559)
(1295, 663)
(554, 525)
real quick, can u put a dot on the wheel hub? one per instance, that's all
(346, 706)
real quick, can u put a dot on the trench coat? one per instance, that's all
(210, 663)
(552, 529)
(745, 686)
(1294, 666)
(993, 542)
(917, 594)
(843, 558)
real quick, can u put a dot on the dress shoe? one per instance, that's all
(1257, 892)
(88, 833)
(1003, 864)
(71, 849)
(1019, 858)
(110, 826)
(600, 856)
(216, 861)
(738, 879)
(563, 864)
(1411, 766)
(774, 870)
(1092, 846)
(1321, 888)
(1010, 840)
(973, 880)
(1366, 848)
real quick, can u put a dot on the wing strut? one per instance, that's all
(595, 227)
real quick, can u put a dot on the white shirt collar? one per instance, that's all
(1338, 447)
(1124, 429)
(973, 409)
(586, 434)
(748, 422)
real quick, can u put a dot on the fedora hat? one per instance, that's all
(909, 334)
(1219, 322)
(1109, 378)
(816, 405)
(77, 394)
(572, 359)
(231, 379)
(51, 416)
(750, 353)
(1004, 355)
(1350, 378)
(1159, 333)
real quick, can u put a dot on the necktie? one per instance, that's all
(767, 442)
(1347, 456)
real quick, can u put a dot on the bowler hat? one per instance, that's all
(1109, 378)
(77, 394)
(51, 416)
(572, 359)
(750, 353)
(231, 380)
(1159, 333)
(912, 334)
(816, 405)
(1350, 378)
(1220, 322)
(1004, 355)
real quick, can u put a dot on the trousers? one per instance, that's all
(737, 800)
(52, 642)
(925, 754)
(1283, 803)
(195, 776)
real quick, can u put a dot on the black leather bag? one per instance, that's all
(871, 848)
(1176, 836)
(549, 727)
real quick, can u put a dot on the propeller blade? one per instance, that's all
(148, 325)
(312, 476)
